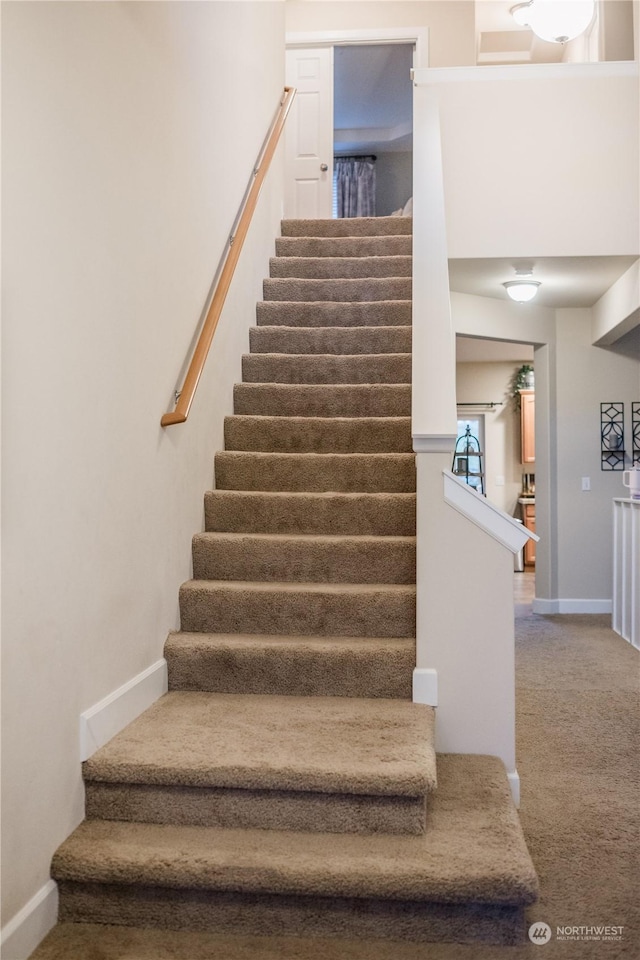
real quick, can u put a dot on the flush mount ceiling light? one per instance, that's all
(557, 21)
(522, 290)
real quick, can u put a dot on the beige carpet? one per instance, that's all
(286, 785)
(578, 735)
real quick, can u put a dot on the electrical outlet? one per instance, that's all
(586, 483)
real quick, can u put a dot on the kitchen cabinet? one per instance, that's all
(529, 518)
(528, 425)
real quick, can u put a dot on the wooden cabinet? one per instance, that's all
(529, 517)
(528, 425)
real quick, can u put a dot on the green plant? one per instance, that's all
(519, 382)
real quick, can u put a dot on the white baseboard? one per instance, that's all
(514, 783)
(425, 686)
(571, 606)
(22, 934)
(101, 722)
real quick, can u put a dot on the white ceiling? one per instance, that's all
(373, 98)
(472, 350)
(565, 281)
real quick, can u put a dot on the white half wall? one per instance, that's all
(123, 167)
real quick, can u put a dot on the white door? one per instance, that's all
(309, 134)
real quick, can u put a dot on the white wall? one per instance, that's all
(123, 166)
(540, 161)
(618, 310)
(451, 25)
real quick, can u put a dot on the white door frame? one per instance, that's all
(416, 36)
(333, 38)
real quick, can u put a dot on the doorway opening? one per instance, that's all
(373, 94)
(372, 129)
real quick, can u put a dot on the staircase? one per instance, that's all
(286, 784)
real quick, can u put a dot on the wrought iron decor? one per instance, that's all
(612, 436)
(635, 434)
(467, 460)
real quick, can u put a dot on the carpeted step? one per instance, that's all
(319, 434)
(296, 666)
(316, 472)
(307, 609)
(326, 268)
(101, 941)
(384, 246)
(349, 291)
(467, 878)
(318, 764)
(374, 313)
(348, 227)
(326, 368)
(322, 400)
(310, 559)
(372, 514)
(340, 340)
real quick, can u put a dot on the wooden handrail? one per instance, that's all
(184, 397)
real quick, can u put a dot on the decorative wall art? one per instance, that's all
(612, 436)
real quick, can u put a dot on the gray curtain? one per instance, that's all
(355, 184)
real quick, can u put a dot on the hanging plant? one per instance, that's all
(522, 380)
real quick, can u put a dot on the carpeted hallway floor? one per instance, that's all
(578, 734)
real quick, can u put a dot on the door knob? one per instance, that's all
(324, 167)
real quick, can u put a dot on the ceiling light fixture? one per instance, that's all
(522, 290)
(556, 21)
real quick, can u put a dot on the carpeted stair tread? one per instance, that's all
(323, 400)
(318, 434)
(309, 744)
(389, 246)
(328, 268)
(324, 313)
(101, 941)
(473, 851)
(356, 290)
(344, 609)
(374, 514)
(278, 557)
(340, 472)
(334, 340)
(326, 368)
(312, 666)
(349, 227)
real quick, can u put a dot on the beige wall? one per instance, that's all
(585, 377)
(451, 25)
(394, 181)
(123, 166)
(492, 381)
(616, 29)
